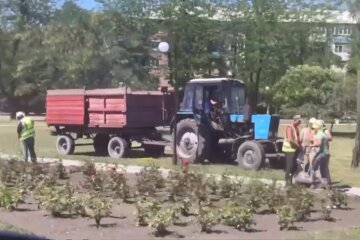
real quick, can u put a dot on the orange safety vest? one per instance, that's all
(287, 147)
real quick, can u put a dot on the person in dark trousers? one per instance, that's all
(26, 134)
(322, 157)
(292, 148)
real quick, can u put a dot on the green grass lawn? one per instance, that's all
(345, 234)
(341, 150)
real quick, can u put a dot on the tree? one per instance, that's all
(308, 90)
(354, 6)
(272, 35)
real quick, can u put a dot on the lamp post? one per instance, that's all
(267, 88)
(164, 48)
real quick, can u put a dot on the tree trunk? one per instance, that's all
(256, 87)
(13, 107)
(356, 152)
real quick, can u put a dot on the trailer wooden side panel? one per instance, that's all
(108, 108)
(145, 110)
(65, 107)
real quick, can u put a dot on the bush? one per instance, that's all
(207, 218)
(228, 186)
(338, 199)
(161, 220)
(10, 197)
(302, 201)
(56, 200)
(145, 210)
(149, 180)
(98, 207)
(118, 184)
(240, 217)
(286, 217)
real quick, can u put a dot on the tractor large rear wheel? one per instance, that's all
(251, 155)
(192, 141)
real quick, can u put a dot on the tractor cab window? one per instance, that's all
(236, 99)
(212, 98)
(187, 104)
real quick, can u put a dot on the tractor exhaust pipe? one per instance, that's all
(226, 141)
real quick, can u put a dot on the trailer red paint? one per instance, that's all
(106, 114)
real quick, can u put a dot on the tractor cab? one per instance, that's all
(218, 103)
(215, 120)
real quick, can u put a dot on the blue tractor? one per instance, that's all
(215, 123)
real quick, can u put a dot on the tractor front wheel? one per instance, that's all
(192, 141)
(251, 155)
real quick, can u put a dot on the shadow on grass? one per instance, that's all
(118, 217)
(105, 225)
(169, 233)
(24, 210)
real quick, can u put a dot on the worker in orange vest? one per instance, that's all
(291, 148)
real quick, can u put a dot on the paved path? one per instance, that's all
(133, 169)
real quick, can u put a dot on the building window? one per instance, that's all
(339, 48)
(154, 62)
(345, 31)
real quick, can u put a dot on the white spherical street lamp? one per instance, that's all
(163, 47)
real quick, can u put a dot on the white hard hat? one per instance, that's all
(318, 124)
(20, 114)
(312, 120)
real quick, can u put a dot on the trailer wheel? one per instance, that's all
(154, 150)
(117, 147)
(251, 155)
(192, 141)
(101, 142)
(65, 145)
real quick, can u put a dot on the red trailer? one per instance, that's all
(113, 118)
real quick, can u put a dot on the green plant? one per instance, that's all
(10, 197)
(302, 201)
(256, 191)
(229, 187)
(98, 207)
(240, 217)
(286, 217)
(118, 184)
(149, 180)
(325, 210)
(89, 168)
(97, 182)
(273, 197)
(79, 202)
(338, 199)
(61, 171)
(56, 200)
(207, 218)
(212, 184)
(145, 210)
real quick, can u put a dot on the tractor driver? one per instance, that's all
(213, 107)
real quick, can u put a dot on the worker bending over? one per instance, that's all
(26, 134)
